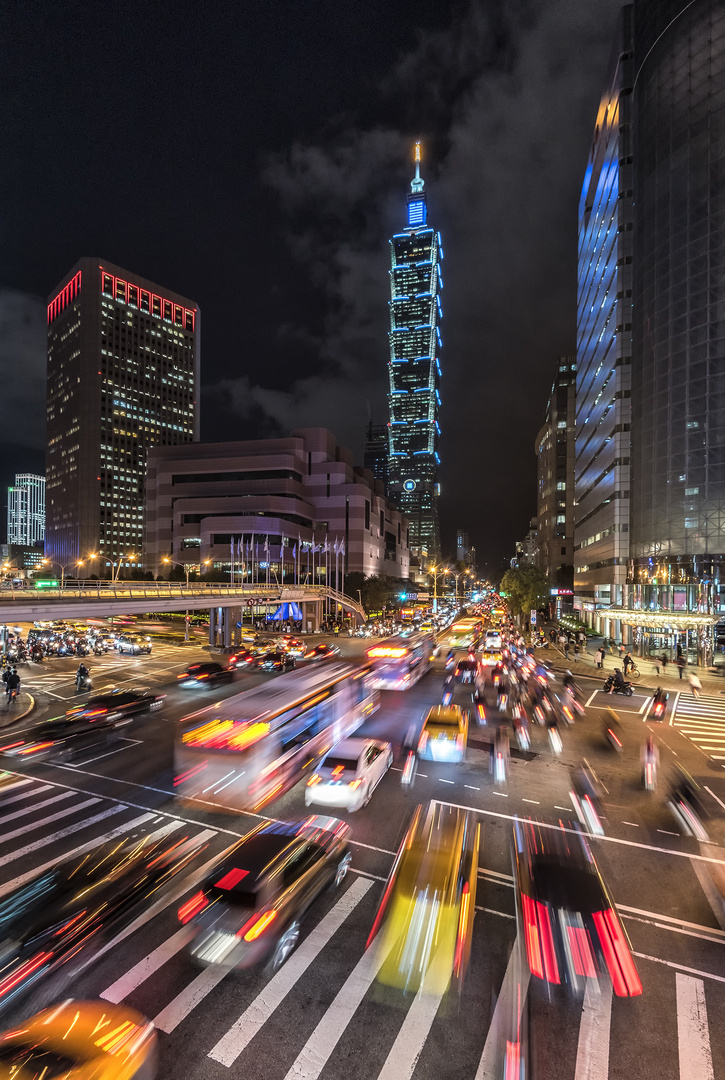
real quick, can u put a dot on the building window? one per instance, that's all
(367, 514)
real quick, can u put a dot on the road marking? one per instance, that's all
(680, 967)
(48, 841)
(471, 787)
(13, 787)
(502, 794)
(513, 991)
(632, 823)
(410, 1040)
(109, 753)
(36, 806)
(592, 1054)
(24, 795)
(667, 832)
(18, 882)
(535, 801)
(191, 996)
(230, 1046)
(442, 781)
(141, 971)
(44, 821)
(314, 1055)
(693, 1034)
(707, 789)
(604, 839)
(567, 808)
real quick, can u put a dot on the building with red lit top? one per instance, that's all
(123, 376)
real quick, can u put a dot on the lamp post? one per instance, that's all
(184, 566)
(63, 567)
(437, 572)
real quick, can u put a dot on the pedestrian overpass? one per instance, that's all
(226, 603)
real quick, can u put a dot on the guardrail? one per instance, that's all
(179, 591)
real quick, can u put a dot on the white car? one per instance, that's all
(349, 773)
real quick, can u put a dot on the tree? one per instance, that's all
(526, 588)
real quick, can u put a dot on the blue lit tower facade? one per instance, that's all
(415, 371)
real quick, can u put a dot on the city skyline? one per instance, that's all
(287, 257)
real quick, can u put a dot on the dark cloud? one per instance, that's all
(504, 99)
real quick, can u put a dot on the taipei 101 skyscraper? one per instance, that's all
(415, 371)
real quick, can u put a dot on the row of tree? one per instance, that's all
(526, 589)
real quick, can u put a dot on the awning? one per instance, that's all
(288, 611)
(660, 620)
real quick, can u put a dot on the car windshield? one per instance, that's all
(563, 885)
(333, 761)
(444, 720)
(36, 1062)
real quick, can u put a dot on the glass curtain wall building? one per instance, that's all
(555, 449)
(604, 345)
(415, 371)
(26, 510)
(678, 373)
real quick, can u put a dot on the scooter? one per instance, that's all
(407, 777)
(555, 742)
(610, 686)
(521, 728)
(83, 683)
(660, 704)
(613, 733)
(585, 795)
(687, 807)
(650, 759)
(500, 757)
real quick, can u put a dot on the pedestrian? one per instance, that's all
(583, 640)
(611, 646)
(679, 650)
(680, 665)
(599, 657)
(12, 685)
(663, 661)
(628, 663)
(695, 684)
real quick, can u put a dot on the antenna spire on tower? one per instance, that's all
(417, 184)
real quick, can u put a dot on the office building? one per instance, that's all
(207, 503)
(414, 371)
(604, 344)
(555, 449)
(527, 549)
(26, 510)
(123, 376)
(650, 466)
(375, 456)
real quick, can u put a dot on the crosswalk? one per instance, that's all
(702, 720)
(322, 1009)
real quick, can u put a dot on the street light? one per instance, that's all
(184, 566)
(437, 572)
(63, 567)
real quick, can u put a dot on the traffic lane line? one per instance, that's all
(603, 839)
(693, 1034)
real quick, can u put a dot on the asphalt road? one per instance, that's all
(322, 1015)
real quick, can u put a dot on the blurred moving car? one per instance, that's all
(276, 660)
(200, 676)
(465, 671)
(423, 926)
(133, 644)
(349, 773)
(241, 658)
(251, 903)
(321, 652)
(444, 734)
(77, 1040)
(118, 705)
(60, 738)
(52, 926)
(294, 646)
(570, 926)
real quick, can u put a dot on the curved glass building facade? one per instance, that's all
(678, 367)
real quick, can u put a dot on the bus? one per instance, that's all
(465, 632)
(398, 662)
(241, 753)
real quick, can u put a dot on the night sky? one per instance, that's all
(255, 157)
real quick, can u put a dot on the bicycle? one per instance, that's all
(633, 673)
(12, 695)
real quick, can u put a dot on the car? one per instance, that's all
(79, 1039)
(200, 676)
(424, 923)
(52, 926)
(571, 929)
(444, 734)
(242, 658)
(490, 657)
(133, 644)
(119, 705)
(250, 905)
(276, 660)
(349, 773)
(61, 737)
(321, 652)
(294, 646)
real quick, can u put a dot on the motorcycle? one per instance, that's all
(500, 758)
(521, 728)
(659, 704)
(687, 807)
(407, 777)
(585, 795)
(650, 760)
(613, 733)
(83, 683)
(611, 687)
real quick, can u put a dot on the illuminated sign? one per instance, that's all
(64, 297)
(386, 650)
(562, 592)
(47, 584)
(128, 293)
(416, 213)
(409, 485)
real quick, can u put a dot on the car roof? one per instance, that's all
(257, 853)
(353, 747)
(445, 714)
(209, 665)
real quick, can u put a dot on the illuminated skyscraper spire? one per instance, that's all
(414, 370)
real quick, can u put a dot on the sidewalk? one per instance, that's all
(10, 714)
(649, 679)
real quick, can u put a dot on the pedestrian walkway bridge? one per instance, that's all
(101, 598)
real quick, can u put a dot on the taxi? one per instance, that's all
(444, 734)
(423, 926)
(80, 1039)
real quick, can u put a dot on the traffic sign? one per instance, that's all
(533, 617)
(250, 603)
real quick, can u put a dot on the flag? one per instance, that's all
(266, 544)
(342, 547)
(326, 548)
(294, 552)
(336, 547)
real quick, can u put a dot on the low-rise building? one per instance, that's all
(271, 504)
